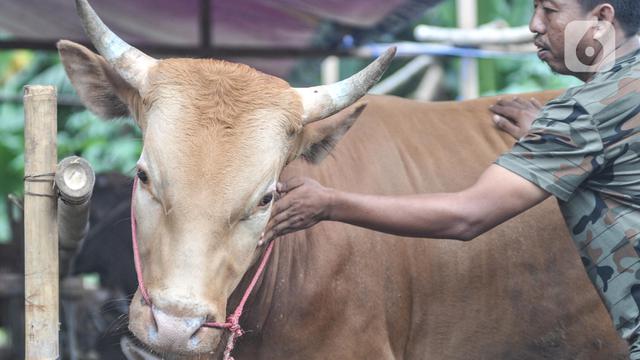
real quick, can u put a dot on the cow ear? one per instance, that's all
(99, 86)
(319, 138)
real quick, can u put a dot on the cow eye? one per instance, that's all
(142, 175)
(266, 200)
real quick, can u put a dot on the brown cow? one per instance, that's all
(216, 137)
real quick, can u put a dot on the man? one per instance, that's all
(583, 148)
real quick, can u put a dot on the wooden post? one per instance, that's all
(427, 89)
(467, 11)
(330, 70)
(74, 180)
(40, 227)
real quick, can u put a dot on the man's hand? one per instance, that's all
(303, 203)
(515, 116)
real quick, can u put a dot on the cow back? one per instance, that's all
(517, 292)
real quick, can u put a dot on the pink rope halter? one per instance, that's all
(233, 320)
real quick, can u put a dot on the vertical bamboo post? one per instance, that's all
(330, 70)
(40, 226)
(467, 12)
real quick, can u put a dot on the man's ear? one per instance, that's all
(99, 86)
(604, 12)
(319, 138)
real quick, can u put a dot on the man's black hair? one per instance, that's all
(627, 13)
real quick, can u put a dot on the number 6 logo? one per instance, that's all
(582, 54)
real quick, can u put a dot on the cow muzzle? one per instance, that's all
(166, 331)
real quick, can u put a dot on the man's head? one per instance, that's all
(627, 13)
(554, 22)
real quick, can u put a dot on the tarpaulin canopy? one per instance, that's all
(213, 28)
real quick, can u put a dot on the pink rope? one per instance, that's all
(136, 251)
(233, 320)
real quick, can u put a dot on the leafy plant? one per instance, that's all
(108, 146)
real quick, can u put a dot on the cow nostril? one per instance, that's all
(204, 331)
(195, 337)
(209, 319)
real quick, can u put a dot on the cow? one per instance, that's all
(218, 135)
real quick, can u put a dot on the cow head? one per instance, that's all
(216, 137)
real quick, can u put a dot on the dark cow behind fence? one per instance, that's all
(93, 322)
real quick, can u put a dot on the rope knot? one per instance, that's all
(235, 328)
(236, 332)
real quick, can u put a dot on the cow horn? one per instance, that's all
(131, 63)
(320, 102)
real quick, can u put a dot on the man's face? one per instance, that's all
(550, 18)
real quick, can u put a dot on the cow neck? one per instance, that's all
(233, 320)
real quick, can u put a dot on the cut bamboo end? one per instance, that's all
(75, 179)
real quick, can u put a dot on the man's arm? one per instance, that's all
(497, 196)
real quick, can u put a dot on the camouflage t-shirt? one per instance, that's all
(584, 148)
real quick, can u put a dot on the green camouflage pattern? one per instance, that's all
(634, 348)
(584, 148)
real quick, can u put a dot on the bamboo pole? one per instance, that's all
(427, 89)
(485, 35)
(330, 69)
(74, 180)
(40, 229)
(467, 12)
(402, 76)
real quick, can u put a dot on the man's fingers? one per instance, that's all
(501, 121)
(282, 228)
(278, 214)
(521, 102)
(505, 111)
(266, 237)
(536, 103)
(502, 102)
(279, 218)
(262, 239)
(506, 125)
(278, 230)
(513, 102)
(290, 184)
(286, 231)
(280, 205)
(279, 225)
